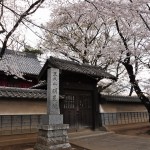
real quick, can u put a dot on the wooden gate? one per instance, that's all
(77, 109)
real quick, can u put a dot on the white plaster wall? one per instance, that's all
(22, 107)
(113, 108)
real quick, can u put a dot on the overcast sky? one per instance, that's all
(41, 16)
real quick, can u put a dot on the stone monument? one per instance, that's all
(52, 132)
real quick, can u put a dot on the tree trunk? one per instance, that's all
(136, 87)
(131, 74)
(131, 91)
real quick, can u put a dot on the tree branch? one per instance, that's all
(2, 1)
(3, 29)
(1, 15)
(22, 16)
(146, 24)
(122, 37)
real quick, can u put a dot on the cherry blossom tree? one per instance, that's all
(84, 35)
(77, 34)
(124, 14)
(103, 33)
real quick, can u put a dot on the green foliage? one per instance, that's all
(32, 50)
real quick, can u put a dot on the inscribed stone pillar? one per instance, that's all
(53, 133)
(53, 112)
(53, 91)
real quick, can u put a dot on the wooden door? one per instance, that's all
(77, 109)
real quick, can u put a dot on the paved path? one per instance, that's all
(111, 141)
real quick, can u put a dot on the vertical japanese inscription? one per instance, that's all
(53, 91)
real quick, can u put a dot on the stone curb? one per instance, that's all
(92, 135)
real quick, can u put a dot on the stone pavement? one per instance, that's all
(110, 141)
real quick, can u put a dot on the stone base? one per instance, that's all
(53, 137)
(52, 119)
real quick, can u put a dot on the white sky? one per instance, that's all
(41, 16)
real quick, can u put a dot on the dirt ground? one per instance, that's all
(142, 130)
(18, 147)
(29, 147)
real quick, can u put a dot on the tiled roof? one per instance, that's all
(25, 63)
(125, 99)
(39, 85)
(22, 93)
(7, 92)
(71, 66)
